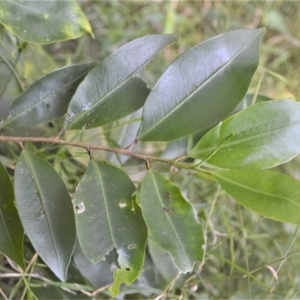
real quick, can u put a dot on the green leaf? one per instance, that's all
(48, 98)
(37, 55)
(202, 86)
(11, 230)
(44, 22)
(271, 194)
(264, 135)
(172, 221)
(107, 218)
(109, 92)
(45, 209)
(99, 274)
(128, 98)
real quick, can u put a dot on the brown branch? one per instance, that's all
(89, 147)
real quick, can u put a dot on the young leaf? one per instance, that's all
(44, 22)
(45, 209)
(172, 221)
(47, 98)
(264, 135)
(271, 194)
(11, 230)
(107, 218)
(202, 86)
(109, 92)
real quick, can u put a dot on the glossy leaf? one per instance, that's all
(45, 209)
(202, 86)
(271, 194)
(11, 230)
(47, 98)
(172, 221)
(44, 22)
(264, 135)
(109, 92)
(128, 98)
(107, 218)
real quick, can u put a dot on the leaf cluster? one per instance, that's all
(198, 98)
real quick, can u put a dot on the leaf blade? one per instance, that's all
(45, 209)
(11, 230)
(197, 82)
(271, 194)
(115, 72)
(105, 209)
(262, 136)
(44, 23)
(47, 98)
(169, 217)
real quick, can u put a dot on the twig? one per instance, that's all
(3, 295)
(140, 156)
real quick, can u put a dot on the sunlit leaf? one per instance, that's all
(202, 86)
(47, 98)
(271, 194)
(45, 209)
(11, 230)
(110, 92)
(37, 55)
(107, 218)
(44, 22)
(172, 221)
(264, 135)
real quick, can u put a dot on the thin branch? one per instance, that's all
(89, 147)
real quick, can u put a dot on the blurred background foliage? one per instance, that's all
(247, 256)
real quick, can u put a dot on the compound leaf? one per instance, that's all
(47, 98)
(202, 86)
(45, 209)
(109, 92)
(263, 136)
(107, 217)
(44, 22)
(271, 194)
(172, 221)
(11, 230)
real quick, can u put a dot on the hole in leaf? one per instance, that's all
(132, 246)
(169, 211)
(127, 269)
(79, 208)
(168, 197)
(122, 203)
(111, 259)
